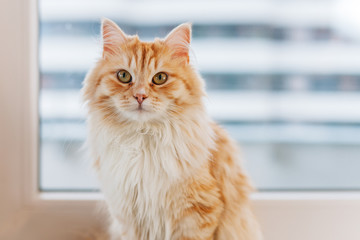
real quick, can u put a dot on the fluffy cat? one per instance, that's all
(166, 170)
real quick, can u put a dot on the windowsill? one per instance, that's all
(256, 197)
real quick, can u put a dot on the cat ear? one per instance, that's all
(112, 36)
(179, 40)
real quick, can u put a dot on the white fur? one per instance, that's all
(140, 162)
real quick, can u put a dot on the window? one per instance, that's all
(284, 81)
(27, 213)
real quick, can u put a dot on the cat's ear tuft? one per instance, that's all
(112, 36)
(179, 40)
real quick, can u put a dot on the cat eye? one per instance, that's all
(160, 78)
(124, 76)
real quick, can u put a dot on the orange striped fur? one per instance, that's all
(167, 171)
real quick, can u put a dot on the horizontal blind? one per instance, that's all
(283, 77)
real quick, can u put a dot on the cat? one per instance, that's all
(166, 170)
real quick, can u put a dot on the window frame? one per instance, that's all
(27, 213)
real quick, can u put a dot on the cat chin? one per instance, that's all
(140, 115)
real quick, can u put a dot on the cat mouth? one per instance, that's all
(140, 108)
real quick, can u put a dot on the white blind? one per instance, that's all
(281, 76)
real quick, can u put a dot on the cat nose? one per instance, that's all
(140, 97)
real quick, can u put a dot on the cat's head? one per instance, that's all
(143, 81)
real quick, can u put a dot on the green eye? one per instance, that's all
(124, 76)
(160, 78)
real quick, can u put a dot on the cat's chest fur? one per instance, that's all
(138, 168)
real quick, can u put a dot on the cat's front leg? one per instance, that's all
(120, 231)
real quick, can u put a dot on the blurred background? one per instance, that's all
(283, 77)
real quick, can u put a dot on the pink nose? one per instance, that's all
(140, 97)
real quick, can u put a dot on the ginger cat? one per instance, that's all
(167, 171)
